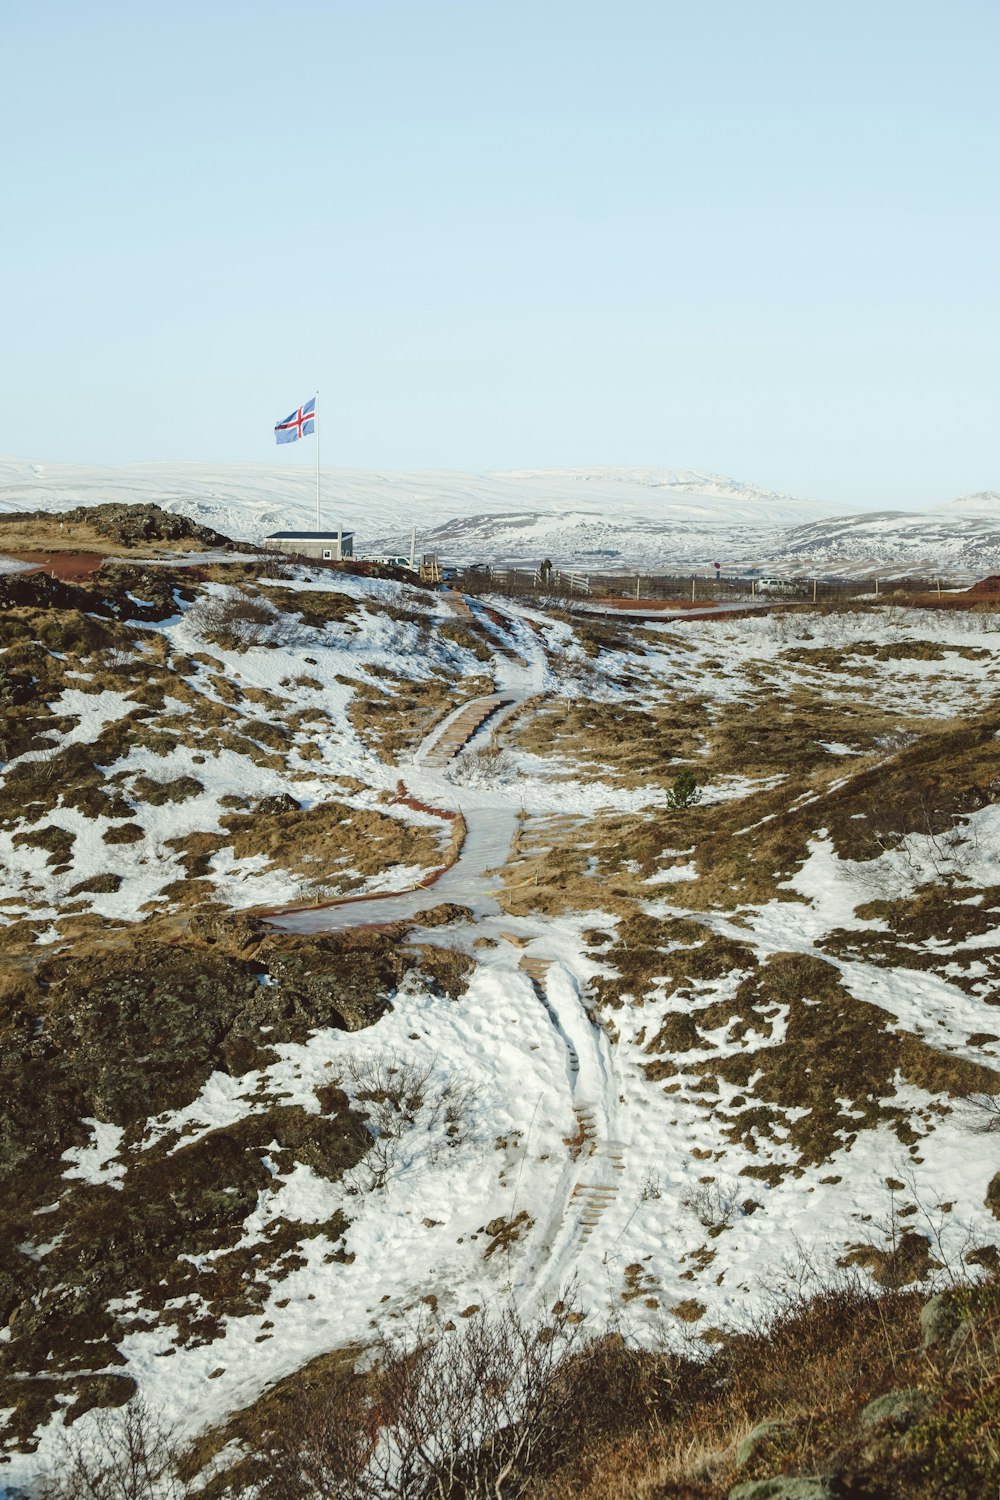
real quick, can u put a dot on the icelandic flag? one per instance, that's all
(300, 424)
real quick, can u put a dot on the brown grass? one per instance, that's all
(333, 845)
(836, 1048)
(394, 717)
(789, 1401)
(622, 744)
(50, 534)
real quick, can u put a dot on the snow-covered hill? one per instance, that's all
(644, 519)
(249, 499)
(692, 529)
(964, 534)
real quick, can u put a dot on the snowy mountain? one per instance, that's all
(645, 519)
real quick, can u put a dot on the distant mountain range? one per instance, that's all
(645, 519)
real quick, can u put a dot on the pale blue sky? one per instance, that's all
(756, 238)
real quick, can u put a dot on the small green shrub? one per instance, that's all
(683, 791)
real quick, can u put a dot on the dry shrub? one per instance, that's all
(402, 1100)
(315, 608)
(129, 1457)
(473, 1413)
(236, 621)
(503, 1408)
(491, 766)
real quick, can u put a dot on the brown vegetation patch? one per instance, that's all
(471, 636)
(792, 1400)
(746, 849)
(666, 955)
(601, 634)
(58, 842)
(838, 1385)
(627, 744)
(925, 931)
(905, 1262)
(332, 844)
(146, 526)
(157, 793)
(137, 1237)
(315, 608)
(90, 1037)
(845, 658)
(838, 1061)
(124, 833)
(394, 716)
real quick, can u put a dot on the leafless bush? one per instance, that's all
(935, 850)
(575, 672)
(984, 1113)
(781, 627)
(41, 770)
(652, 1187)
(125, 1455)
(404, 1101)
(491, 766)
(123, 659)
(894, 741)
(236, 620)
(468, 1413)
(713, 1205)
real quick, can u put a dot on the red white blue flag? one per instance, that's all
(300, 424)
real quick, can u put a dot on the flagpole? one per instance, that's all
(316, 426)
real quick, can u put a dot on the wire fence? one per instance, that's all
(684, 588)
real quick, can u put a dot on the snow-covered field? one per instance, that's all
(616, 520)
(662, 1183)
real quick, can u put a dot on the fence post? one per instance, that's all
(814, 591)
(692, 590)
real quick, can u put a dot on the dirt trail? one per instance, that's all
(489, 823)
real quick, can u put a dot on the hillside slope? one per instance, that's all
(670, 1050)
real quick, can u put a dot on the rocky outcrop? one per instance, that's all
(131, 525)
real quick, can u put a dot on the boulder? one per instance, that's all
(281, 802)
(784, 1487)
(753, 1440)
(992, 1199)
(940, 1319)
(899, 1408)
